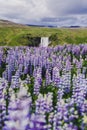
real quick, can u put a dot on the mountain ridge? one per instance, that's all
(8, 23)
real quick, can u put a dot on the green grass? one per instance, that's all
(23, 35)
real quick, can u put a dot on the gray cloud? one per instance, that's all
(36, 11)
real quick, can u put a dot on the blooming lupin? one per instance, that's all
(18, 112)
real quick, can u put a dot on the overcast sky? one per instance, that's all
(67, 12)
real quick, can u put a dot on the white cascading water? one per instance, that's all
(44, 42)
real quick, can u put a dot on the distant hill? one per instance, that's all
(42, 25)
(8, 23)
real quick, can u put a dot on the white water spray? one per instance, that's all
(44, 42)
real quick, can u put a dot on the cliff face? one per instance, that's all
(30, 40)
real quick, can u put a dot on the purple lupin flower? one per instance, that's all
(18, 111)
(48, 78)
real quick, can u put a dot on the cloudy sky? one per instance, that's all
(53, 12)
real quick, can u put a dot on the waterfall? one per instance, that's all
(44, 42)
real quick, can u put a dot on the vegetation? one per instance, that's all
(25, 35)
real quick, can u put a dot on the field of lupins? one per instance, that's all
(43, 88)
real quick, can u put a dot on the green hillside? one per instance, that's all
(15, 35)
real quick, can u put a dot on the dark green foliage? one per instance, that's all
(54, 37)
(50, 88)
(2, 68)
(85, 63)
(69, 39)
(30, 40)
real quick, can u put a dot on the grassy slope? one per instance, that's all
(14, 35)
